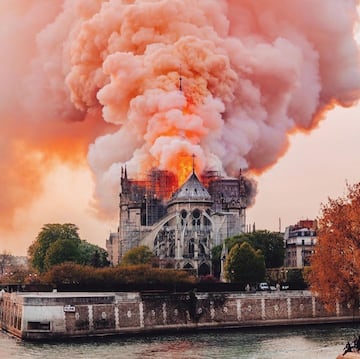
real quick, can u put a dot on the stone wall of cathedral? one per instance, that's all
(183, 229)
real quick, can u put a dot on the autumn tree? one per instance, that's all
(244, 264)
(137, 255)
(335, 265)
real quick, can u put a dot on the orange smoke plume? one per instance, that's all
(98, 81)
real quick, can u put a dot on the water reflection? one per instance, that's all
(315, 342)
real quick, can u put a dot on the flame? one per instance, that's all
(183, 164)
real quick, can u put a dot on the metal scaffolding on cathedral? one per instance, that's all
(182, 224)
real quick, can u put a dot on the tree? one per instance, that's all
(93, 255)
(335, 265)
(271, 245)
(48, 235)
(137, 255)
(62, 250)
(216, 260)
(6, 260)
(295, 278)
(13, 269)
(245, 265)
(72, 275)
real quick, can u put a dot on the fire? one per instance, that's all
(184, 166)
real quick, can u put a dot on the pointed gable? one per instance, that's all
(191, 190)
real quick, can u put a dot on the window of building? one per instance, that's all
(38, 325)
(196, 213)
(183, 213)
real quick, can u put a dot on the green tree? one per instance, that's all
(62, 250)
(295, 278)
(138, 255)
(244, 264)
(216, 260)
(48, 235)
(93, 255)
(271, 245)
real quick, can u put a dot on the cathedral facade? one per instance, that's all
(180, 225)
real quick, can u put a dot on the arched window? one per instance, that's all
(204, 269)
(196, 213)
(183, 213)
(191, 248)
(188, 266)
(196, 217)
(172, 247)
(202, 246)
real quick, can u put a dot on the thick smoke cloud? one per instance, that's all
(99, 81)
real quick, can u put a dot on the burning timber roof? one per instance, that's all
(191, 190)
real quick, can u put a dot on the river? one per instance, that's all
(310, 342)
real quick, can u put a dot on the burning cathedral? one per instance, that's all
(180, 224)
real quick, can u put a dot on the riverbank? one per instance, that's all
(39, 316)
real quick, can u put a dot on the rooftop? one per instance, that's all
(192, 190)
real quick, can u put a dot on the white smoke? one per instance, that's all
(253, 72)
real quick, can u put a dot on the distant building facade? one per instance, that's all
(180, 225)
(299, 241)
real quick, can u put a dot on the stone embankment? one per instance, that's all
(68, 315)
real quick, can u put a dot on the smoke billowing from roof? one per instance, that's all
(98, 81)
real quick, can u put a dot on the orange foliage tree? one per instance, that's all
(335, 265)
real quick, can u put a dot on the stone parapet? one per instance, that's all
(68, 315)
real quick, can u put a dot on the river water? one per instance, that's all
(305, 342)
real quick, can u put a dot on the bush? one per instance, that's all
(78, 277)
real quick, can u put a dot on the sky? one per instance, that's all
(88, 86)
(316, 167)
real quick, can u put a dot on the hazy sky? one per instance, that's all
(90, 85)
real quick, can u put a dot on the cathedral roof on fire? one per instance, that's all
(191, 190)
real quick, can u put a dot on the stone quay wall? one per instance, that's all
(49, 315)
